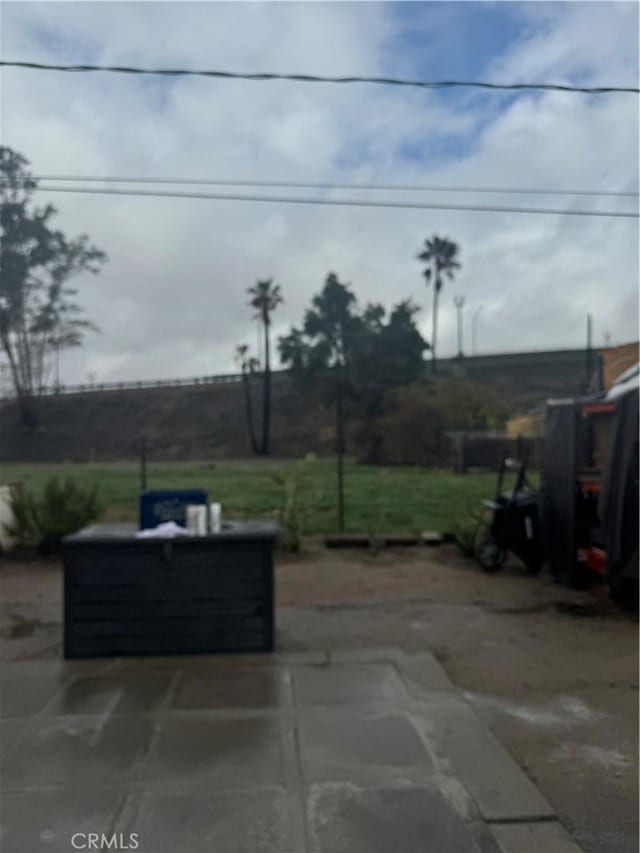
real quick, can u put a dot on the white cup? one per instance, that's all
(197, 519)
(215, 517)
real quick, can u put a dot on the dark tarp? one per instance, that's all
(618, 504)
(559, 489)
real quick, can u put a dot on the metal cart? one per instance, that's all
(510, 522)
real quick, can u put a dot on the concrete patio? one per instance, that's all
(357, 751)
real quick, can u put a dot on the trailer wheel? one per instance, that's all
(533, 566)
(623, 583)
(625, 593)
(490, 555)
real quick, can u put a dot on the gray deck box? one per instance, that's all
(146, 596)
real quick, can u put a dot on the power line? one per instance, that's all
(226, 182)
(407, 205)
(313, 78)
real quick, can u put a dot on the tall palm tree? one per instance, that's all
(265, 298)
(441, 257)
(248, 366)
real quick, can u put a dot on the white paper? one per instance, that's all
(166, 530)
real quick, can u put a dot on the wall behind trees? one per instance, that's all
(196, 422)
(207, 421)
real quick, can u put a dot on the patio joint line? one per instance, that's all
(300, 792)
(506, 821)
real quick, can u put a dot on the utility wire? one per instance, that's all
(407, 205)
(312, 78)
(225, 182)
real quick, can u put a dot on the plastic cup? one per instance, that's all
(215, 517)
(197, 519)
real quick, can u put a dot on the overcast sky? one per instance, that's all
(172, 299)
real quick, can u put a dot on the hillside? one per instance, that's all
(207, 421)
(194, 422)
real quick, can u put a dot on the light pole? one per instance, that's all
(474, 320)
(589, 357)
(458, 301)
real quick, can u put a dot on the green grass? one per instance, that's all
(376, 499)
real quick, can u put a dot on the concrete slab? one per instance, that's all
(122, 693)
(352, 746)
(373, 750)
(348, 685)
(11, 729)
(24, 695)
(499, 787)
(58, 668)
(423, 672)
(231, 663)
(262, 688)
(344, 818)
(386, 654)
(548, 836)
(192, 750)
(46, 820)
(242, 821)
(79, 750)
(310, 658)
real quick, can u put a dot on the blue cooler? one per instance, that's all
(162, 505)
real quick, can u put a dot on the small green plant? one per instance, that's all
(465, 534)
(289, 517)
(42, 520)
(291, 512)
(377, 517)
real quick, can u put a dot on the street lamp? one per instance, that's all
(458, 301)
(474, 320)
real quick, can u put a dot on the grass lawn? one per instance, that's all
(377, 500)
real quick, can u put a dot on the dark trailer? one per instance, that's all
(590, 491)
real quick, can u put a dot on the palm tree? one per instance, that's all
(265, 298)
(441, 257)
(247, 366)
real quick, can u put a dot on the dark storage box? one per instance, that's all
(162, 505)
(143, 596)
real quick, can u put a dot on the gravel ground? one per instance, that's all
(553, 672)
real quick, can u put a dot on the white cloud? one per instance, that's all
(172, 300)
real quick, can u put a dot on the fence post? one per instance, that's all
(143, 464)
(460, 442)
(340, 458)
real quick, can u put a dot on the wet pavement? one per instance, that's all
(353, 752)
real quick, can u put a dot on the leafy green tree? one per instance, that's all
(39, 316)
(352, 356)
(390, 355)
(321, 354)
(468, 405)
(410, 427)
(265, 298)
(441, 258)
(391, 352)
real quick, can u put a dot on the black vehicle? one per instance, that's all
(590, 492)
(510, 522)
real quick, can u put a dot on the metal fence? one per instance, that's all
(93, 387)
(485, 450)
